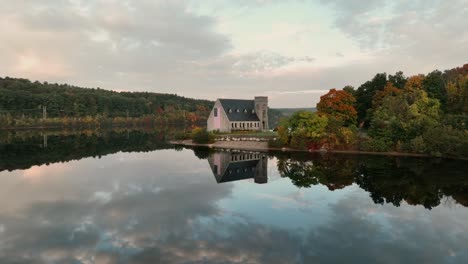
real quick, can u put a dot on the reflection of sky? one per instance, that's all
(165, 206)
(282, 204)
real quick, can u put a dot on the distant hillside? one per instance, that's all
(275, 114)
(25, 100)
(290, 111)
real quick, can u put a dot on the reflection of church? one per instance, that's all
(235, 166)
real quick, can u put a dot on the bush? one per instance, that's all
(181, 136)
(418, 145)
(299, 140)
(376, 144)
(346, 138)
(283, 134)
(275, 143)
(446, 141)
(202, 136)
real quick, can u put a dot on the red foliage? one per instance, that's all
(314, 146)
(339, 104)
(389, 90)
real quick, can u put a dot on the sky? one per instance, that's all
(291, 51)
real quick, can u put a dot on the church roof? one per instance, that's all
(239, 110)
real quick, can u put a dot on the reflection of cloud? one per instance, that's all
(295, 200)
(122, 205)
(181, 222)
(103, 197)
(35, 173)
(421, 237)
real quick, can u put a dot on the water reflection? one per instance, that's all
(230, 166)
(23, 149)
(135, 205)
(387, 179)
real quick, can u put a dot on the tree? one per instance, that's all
(350, 89)
(398, 80)
(312, 123)
(406, 115)
(340, 105)
(457, 95)
(434, 85)
(389, 90)
(415, 82)
(366, 92)
(303, 128)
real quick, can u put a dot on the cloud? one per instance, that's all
(264, 62)
(102, 41)
(170, 47)
(426, 34)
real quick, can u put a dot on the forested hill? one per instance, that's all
(21, 98)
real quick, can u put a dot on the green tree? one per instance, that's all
(303, 128)
(366, 92)
(398, 80)
(349, 89)
(457, 95)
(405, 116)
(434, 85)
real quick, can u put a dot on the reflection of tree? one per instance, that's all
(418, 182)
(23, 151)
(334, 172)
(202, 152)
(388, 180)
(393, 185)
(461, 197)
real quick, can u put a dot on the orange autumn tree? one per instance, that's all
(389, 90)
(340, 105)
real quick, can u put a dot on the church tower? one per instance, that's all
(261, 108)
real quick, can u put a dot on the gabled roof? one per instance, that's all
(241, 105)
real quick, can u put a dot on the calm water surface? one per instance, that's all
(129, 197)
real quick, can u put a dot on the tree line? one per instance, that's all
(425, 114)
(23, 103)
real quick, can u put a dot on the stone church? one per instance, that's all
(230, 115)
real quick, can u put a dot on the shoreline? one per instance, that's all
(263, 147)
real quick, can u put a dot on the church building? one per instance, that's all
(230, 115)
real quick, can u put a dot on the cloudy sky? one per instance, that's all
(291, 51)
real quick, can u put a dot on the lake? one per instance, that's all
(130, 197)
